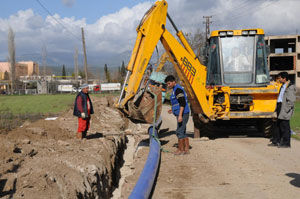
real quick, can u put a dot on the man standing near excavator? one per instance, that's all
(83, 108)
(285, 110)
(180, 109)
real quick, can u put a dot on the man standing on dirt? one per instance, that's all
(285, 110)
(83, 108)
(180, 109)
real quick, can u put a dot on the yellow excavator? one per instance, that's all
(233, 89)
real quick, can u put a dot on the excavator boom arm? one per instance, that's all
(148, 34)
(151, 30)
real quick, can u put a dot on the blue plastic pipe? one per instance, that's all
(146, 180)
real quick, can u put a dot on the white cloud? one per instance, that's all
(115, 33)
(275, 16)
(111, 33)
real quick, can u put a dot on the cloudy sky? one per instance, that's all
(110, 24)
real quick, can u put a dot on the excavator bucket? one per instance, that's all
(143, 108)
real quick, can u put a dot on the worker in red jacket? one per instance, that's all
(83, 108)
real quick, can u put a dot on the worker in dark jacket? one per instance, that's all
(83, 108)
(285, 110)
(180, 109)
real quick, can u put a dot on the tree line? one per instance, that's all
(110, 76)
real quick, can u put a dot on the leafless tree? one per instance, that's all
(44, 57)
(76, 65)
(99, 76)
(197, 41)
(12, 57)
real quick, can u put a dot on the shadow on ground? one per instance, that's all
(94, 136)
(296, 179)
(10, 192)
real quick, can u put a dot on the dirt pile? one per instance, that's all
(44, 160)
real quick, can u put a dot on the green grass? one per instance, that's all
(44, 104)
(297, 136)
(295, 120)
(14, 110)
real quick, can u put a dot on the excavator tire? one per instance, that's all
(207, 129)
(202, 129)
(265, 126)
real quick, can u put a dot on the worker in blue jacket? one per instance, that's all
(181, 110)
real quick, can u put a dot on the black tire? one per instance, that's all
(207, 129)
(265, 126)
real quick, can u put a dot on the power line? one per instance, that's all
(238, 7)
(59, 22)
(252, 8)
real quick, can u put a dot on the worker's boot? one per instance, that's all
(180, 150)
(79, 135)
(186, 146)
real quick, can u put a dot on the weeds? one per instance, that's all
(9, 121)
(14, 110)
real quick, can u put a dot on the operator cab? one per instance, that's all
(237, 58)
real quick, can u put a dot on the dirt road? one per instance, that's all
(234, 167)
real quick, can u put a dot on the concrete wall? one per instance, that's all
(22, 68)
(33, 67)
(285, 47)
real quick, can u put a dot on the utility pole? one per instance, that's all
(207, 22)
(84, 52)
(12, 58)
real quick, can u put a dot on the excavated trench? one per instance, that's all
(64, 167)
(126, 144)
(105, 184)
(126, 169)
(100, 183)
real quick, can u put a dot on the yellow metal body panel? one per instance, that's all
(264, 101)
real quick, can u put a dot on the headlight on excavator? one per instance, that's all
(222, 34)
(245, 32)
(229, 33)
(252, 32)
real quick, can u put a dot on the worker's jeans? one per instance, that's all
(181, 127)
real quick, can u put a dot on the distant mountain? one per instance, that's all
(93, 60)
(96, 62)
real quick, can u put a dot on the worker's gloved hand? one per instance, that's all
(83, 116)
